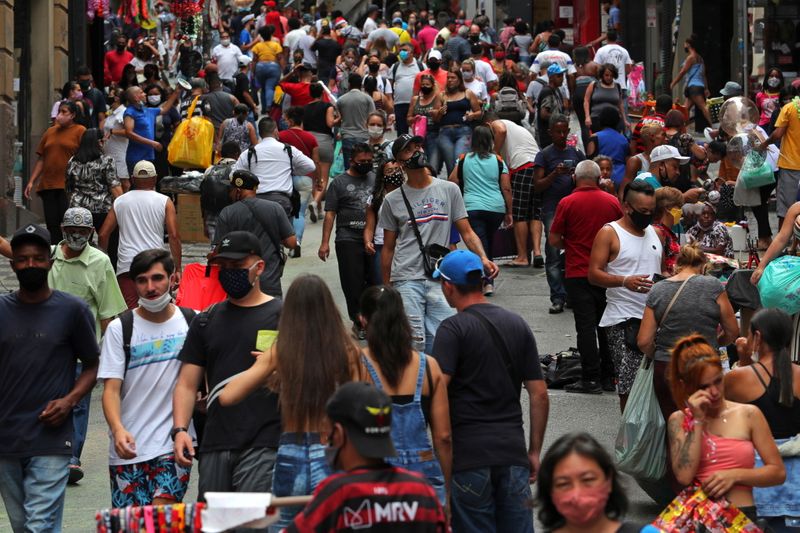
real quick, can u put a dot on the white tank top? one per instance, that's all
(637, 256)
(520, 147)
(141, 216)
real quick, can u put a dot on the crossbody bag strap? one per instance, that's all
(501, 346)
(674, 299)
(413, 220)
(275, 243)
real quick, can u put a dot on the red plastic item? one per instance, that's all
(198, 291)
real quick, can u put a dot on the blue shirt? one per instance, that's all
(613, 144)
(562, 185)
(613, 17)
(482, 184)
(244, 37)
(144, 124)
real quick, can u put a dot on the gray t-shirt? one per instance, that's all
(268, 221)
(354, 107)
(386, 34)
(695, 311)
(435, 208)
(348, 197)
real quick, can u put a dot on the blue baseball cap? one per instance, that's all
(554, 69)
(459, 267)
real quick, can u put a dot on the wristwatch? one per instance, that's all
(175, 431)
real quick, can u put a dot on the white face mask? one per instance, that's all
(773, 82)
(225, 42)
(156, 305)
(375, 131)
(154, 99)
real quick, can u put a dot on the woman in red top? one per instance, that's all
(669, 202)
(768, 98)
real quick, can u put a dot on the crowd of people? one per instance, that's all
(414, 138)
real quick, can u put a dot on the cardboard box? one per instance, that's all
(190, 218)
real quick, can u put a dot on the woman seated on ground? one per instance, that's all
(579, 488)
(712, 440)
(767, 379)
(711, 235)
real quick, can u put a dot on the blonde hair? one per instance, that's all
(690, 256)
(666, 198)
(649, 131)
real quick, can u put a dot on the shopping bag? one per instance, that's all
(693, 511)
(420, 126)
(193, 142)
(337, 167)
(200, 287)
(756, 171)
(640, 449)
(780, 284)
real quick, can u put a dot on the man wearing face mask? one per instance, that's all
(360, 439)
(226, 56)
(625, 255)
(372, 67)
(403, 74)
(239, 442)
(86, 272)
(437, 206)
(115, 60)
(266, 219)
(139, 367)
(94, 95)
(346, 204)
(44, 333)
(354, 108)
(665, 169)
(459, 46)
(436, 68)
(140, 125)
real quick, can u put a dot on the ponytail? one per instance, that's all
(389, 334)
(775, 327)
(690, 357)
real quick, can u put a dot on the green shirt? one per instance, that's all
(91, 278)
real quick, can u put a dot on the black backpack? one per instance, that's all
(214, 188)
(126, 321)
(562, 368)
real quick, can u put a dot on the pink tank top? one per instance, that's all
(721, 453)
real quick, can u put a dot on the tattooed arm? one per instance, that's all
(684, 448)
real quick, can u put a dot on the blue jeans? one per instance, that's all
(268, 73)
(299, 467)
(347, 149)
(377, 273)
(485, 224)
(432, 151)
(453, 141)
(80, 422)
(33, 492)
(496, 498)
(553, 263)
(305, 186)
(426, 308)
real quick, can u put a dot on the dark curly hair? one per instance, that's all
(586, 446)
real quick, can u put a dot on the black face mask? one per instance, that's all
(32, 279)
(686, 49)
(426, 90)
(433, 65)
(373, 67)
(641, 220)
(361, 169)
(120, 47)
(417, 160)
(85, 85)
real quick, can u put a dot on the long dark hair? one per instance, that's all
(482, 141)
(775, 327)
(765, 87)
(586, 446)
(388, 331)
(89, 148)
(315, 351)
(379, 190)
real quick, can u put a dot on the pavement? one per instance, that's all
(522, 290)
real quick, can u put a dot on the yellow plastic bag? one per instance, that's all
(193, 142)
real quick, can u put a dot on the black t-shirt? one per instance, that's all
(220, 340)
(348, 197)
(39, 347)
(98, 100)
(327, 51)
(552, 100)
(267, 220)
(242, 86)
(314, 118)
(485, 411)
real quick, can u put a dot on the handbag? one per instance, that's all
(432, 253)
(421, 126)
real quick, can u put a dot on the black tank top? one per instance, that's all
(314, 118)
(784, 422)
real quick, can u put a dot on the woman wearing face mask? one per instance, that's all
(460, 106)
(346, 64)
(712, 440)
(376, 127)
(695, 91)
(768, 97)
(388, 176)
(58, 144)
(668, 214)
(72, 92)
(313, 355)
(237, 129)
(427, 106)
(116, 142)
(766, 378)
(472, 82)
(500, 63)
(711, 235)
(383, 102)
(578, 488)
(92, 183)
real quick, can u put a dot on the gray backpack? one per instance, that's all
(509, 105)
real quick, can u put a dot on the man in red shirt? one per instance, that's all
(273, 17)
(434, 69)
(367, 493)
(115, 60)
(578, 218)
(299, 91)
(427, 35)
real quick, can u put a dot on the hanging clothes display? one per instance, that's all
(177, 518)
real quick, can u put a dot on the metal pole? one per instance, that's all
(745, 70)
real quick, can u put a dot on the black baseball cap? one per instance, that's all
(31, 233)
(244, 179)
(366, 414)
(237, 245)
(402, 142)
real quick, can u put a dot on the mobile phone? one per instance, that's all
(658, 277)
(569, 163)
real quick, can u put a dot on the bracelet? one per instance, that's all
(624, 280)
(175, 431)
(689, 421)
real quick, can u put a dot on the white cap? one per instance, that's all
(244, 60)
(144, 169)
(435, 54)
(248, 18)
(666, 151)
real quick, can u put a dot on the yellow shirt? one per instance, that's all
(266, 51)
(403, 34)
(789, 118)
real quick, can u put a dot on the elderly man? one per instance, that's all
(140, 125)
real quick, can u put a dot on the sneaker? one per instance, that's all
(75, 474)
(584, 387)
(608, 384)
(538, 261)
(556, 308)
(488, 289)
(312, 212)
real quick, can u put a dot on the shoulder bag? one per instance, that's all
(431, 253)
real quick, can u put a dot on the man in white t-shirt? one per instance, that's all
(369, 25)
(616, 55)
(226, 56)
(139, 367)
(554, 55)
(142, 214)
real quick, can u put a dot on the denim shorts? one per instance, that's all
(140, 483)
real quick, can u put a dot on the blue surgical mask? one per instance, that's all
(403, 55)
